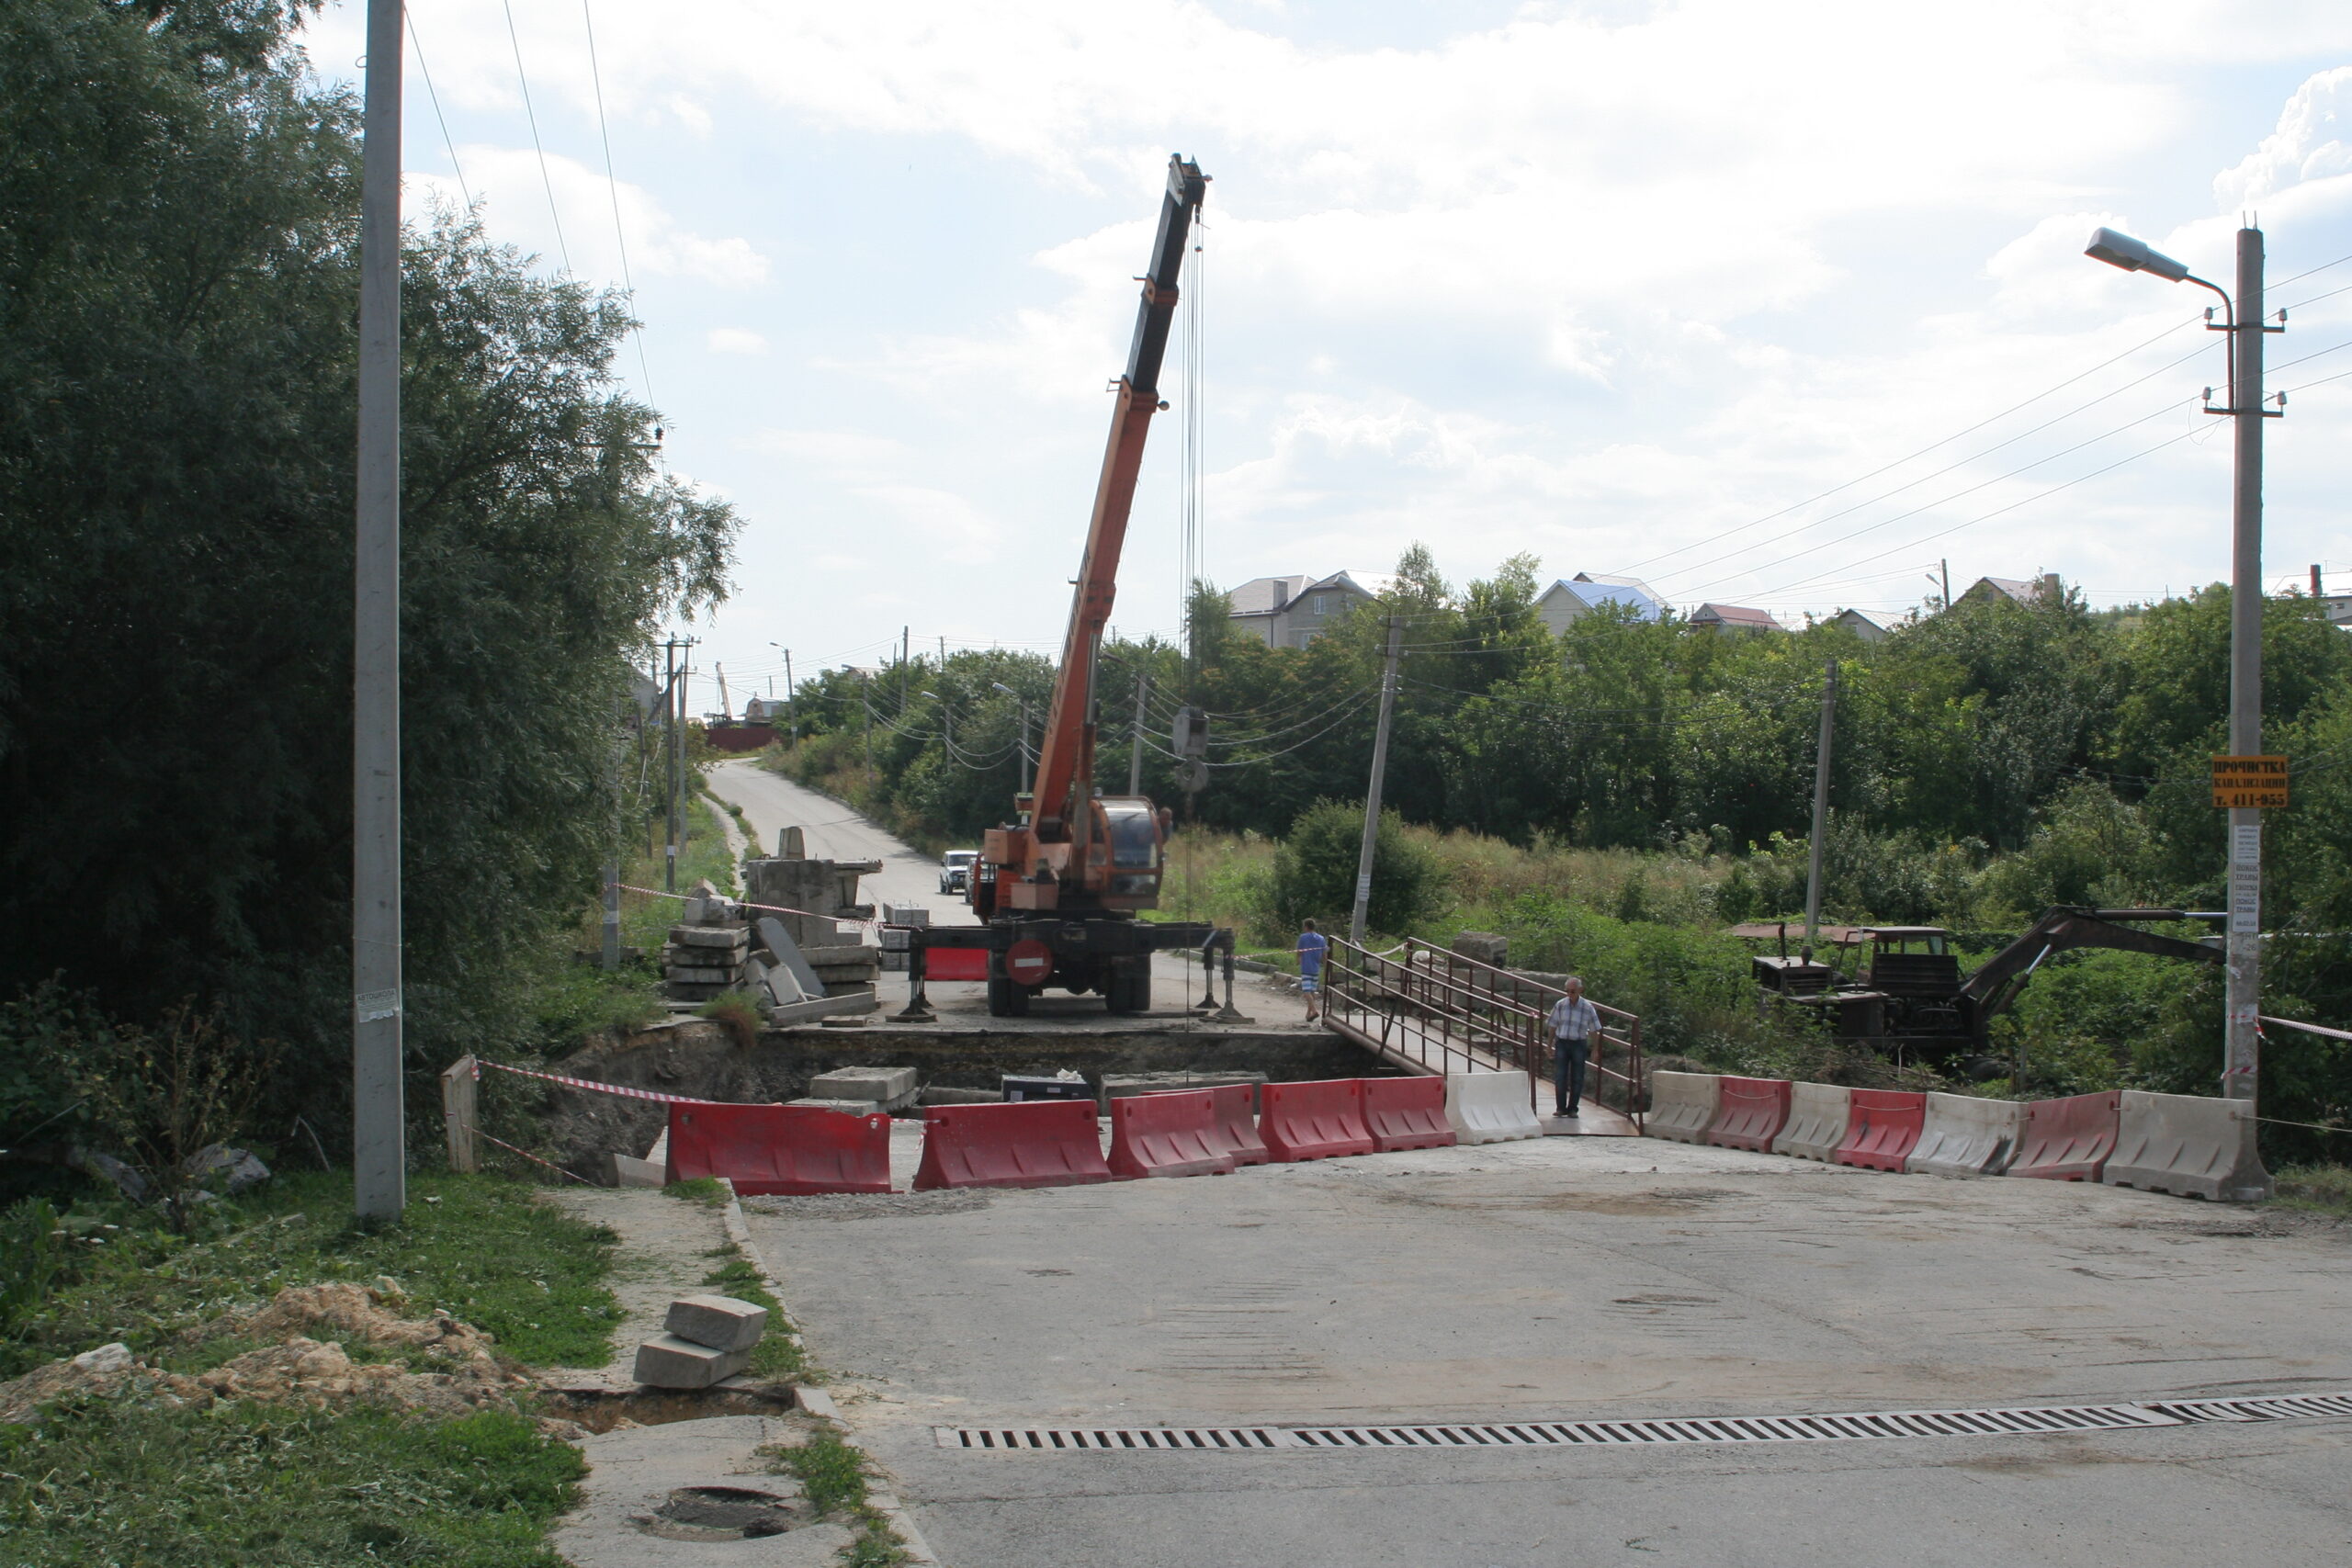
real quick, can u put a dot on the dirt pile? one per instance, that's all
(461, 1372)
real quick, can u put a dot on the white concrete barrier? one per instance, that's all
(1817, 1125)
(1966, 1137)
(1489, 1108)
(2188, 1144)
(1682, 1106)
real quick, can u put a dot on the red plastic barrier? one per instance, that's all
(1406, 1113)
(2070, 1139)
(1173, 1133)
(780, 1149)
(1750, 1113)
(1314, 1120)
(1882, 1128)
(1029, 1142)
(955, 964)
(1236, 1121)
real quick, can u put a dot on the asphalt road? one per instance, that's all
(1581, 1279)
(832, 832)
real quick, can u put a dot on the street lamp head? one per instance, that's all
(2132, 256)
(1005, 689)
(934, 696)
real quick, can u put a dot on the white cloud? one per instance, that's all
(579, 227)
(735, 340)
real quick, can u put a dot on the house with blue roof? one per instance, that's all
(1571, 599)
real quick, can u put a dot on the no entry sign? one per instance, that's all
(1029, 962)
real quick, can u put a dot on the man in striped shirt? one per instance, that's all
(1575, 1022)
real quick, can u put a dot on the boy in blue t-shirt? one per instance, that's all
(1312, 946)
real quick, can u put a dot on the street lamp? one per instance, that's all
(2242, 320)
(1024, 730)
(946, 723)
(791, 698)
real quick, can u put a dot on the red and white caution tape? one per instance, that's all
(527, 1155)
(593, 1085)
(745, 903)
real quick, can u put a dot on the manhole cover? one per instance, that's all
(723, 1513)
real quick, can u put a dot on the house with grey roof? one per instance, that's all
(1571, 599)
(1861, 626)
(1292, 612)
(1735, 618)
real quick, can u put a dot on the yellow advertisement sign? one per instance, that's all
(2240, 783)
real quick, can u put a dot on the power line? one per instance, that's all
(532, 115)
(1998, 511)
(1972, 489)
(434, 97)
(1962, 463)
(1889, 468)
(613, 189)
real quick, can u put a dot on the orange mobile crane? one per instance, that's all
(1059, 886)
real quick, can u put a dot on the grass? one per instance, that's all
(131, 1484)
(2319, 1189)
(115, 1482)
(646, 917)
(778, 1356)
(833, 1475)
(708, 1191)
(482, 1247)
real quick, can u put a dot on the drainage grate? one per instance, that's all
(2014, 1420)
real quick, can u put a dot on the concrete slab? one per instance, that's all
(632, 1472)
(1580, 1277)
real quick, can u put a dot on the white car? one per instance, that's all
(956, 871)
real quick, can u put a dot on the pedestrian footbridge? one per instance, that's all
(1427, 1010)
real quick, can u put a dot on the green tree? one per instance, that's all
(178, 283)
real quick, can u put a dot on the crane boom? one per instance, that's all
(1066, 752)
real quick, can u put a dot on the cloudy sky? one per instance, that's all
(1773, 305)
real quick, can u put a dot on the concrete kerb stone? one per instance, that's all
(885, 1500)
(672, 1360)
(2190, 1145)
(1817, 1116)
(1964, 1135)
(723, 1323)
(1682, 1106)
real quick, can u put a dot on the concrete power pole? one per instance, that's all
(2241, 1074)
(1820, 811)
(1379, 774)
(669, 770)
(379, 1151)
(791, 699)
(1143, 690)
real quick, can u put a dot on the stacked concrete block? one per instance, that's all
(898, 922)
(886, 1088)
(700, 962)
(705, 1340)
(814, 895)
(844, 970)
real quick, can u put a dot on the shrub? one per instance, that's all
(1315, 870)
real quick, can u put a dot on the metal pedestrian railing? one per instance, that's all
(1428, 1006)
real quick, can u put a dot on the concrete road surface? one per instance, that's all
(832, 832)
(1571, 1279)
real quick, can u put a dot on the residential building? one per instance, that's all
(1572, 598)
(2339, 608)
(1735, 618)
(1292, 612)
(2028, 592)
(1861, 626)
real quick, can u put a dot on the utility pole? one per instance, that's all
(2241, 1074)
(669, 778)
(791, 699)
(902, 670)
(1135, 749)
(866, 703)
(1943, 568)
(1379, 773)
(1820, 812)
(379, 1150)
(726, 707)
